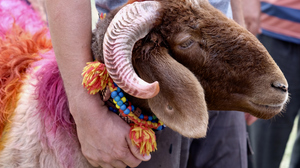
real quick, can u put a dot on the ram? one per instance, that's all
(176, 59)
(190, 49)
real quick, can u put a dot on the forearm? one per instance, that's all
(237, 12)
(252, 12)
(101, 133)
(70, 28)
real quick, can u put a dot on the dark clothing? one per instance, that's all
(224, 146)
(172, 151)
(269, 137)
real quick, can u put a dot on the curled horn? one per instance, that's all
(131, 23)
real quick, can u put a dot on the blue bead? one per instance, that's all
(127, 111)
(117, 98)
(123, 107)
(159, 128)
(118, 90)
(126, 103)
(132, 107)
(120, 103)
(115, 110)
(149, 118)
(141, 116)
(115, 84)
(121, 94)
(110, 108)
(114, 94)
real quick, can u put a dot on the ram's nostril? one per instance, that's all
(280, 86)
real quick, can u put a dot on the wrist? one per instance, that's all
(82, 104)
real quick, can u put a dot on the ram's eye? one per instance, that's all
(187, 44)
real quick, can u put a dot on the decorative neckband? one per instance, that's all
(102, 16)
(96, 79)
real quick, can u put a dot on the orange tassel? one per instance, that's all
(143, 138)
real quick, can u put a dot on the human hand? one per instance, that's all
(250, 119)
(251, 10)
(103, 135)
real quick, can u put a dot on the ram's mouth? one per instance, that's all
(267, 111)
(269, 106)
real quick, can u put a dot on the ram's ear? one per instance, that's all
(180, 104)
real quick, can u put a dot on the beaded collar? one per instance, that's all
(96, 79)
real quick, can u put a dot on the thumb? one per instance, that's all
(136, 151)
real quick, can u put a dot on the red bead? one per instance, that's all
(121, 111)
(124, 115)
(129, 108)
(145, 117)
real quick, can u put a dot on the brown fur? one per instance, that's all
(225, 60)
(231, 60)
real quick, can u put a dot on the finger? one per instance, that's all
(131, 160)
(251, 120)
(247, 25)
(251, 28)
(105, 165)
(94, 164)
(119, 164)
(136, 151)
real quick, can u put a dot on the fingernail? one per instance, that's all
(147, 157)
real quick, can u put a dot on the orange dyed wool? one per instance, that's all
(18, 50)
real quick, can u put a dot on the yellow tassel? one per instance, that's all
(102, 16)
(95, 77)
(144, 138)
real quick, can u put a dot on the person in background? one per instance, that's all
(103, 135)
(277, 25)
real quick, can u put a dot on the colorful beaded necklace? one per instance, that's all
(95, 79)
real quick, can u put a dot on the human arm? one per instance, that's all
(251, 10)
(237, 11)
(104, 137)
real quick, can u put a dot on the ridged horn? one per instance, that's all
(131, 23)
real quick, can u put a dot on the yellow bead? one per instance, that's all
(149, 122)
(117, 106)
(123, 99)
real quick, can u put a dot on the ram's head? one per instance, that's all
(179, 59)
